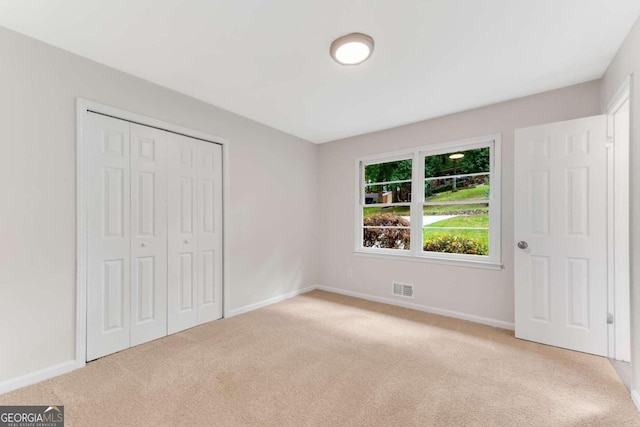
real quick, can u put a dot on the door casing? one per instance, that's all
(619, 297)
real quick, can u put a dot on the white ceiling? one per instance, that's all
(269, 59)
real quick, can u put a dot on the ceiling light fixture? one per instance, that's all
(352, 49)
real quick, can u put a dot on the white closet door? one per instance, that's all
(148, 234)
(183, 245)
(209, 231)
(108, 238)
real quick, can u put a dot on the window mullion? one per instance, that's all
(417, 198)
(495, 207)
(359, 206)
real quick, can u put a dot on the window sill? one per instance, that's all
(487, 265)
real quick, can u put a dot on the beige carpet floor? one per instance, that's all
(326, 359)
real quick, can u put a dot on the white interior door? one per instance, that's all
(209, 231)
(108, 239)
(560, 215)
(148, 234)
(183, 236)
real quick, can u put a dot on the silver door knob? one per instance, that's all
(523, 245)
(144, 245)
(186, 242)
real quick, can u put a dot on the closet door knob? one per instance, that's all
(186, 242)
(144, 245)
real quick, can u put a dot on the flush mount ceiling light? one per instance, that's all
(352, 49)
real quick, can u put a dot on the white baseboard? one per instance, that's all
(433, 310)
(71, 365)
(257, 305)
(635, 396)
(37, 376)
(65, 367)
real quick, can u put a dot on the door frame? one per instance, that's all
(614, 228)
(82, 107)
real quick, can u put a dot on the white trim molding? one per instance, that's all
(269, 301)
(427, 309)
(39, 375)
(622, 94)
(405, 304)
(618, 220)
(66, 367)
(71, 365)
(635, 397)
(442, 261)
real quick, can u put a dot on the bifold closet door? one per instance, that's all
(107, 195)
(182, 261)
(154, 233)
(148, 234)
(126, 194)
(209, 220)
(195, 232)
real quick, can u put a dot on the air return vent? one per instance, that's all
(403, 290)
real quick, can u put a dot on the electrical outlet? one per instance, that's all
(349, 272)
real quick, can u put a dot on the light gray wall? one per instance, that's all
(626, 62)
(273, 219)
(470, 291)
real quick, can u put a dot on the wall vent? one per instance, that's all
(402, 290)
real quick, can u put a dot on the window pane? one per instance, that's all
(467, 242)
(388, 193)
(475, 187)
(389, 171)
(387, 227)
(387, 215)
(457, 162)
(459, 234)
(387, 238)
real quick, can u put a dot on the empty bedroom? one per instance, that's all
(319, 213)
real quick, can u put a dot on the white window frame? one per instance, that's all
(417, 155)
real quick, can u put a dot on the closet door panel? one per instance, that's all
(148, 234)
(209, 231)
(107, 195)
(182, 237)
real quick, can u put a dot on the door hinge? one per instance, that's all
(610, 318)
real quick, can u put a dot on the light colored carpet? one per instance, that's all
(327, 359)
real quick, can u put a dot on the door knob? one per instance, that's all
(523, 245)
(186, 242)
(144, 245)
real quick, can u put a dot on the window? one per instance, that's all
(386, 212)
(440, 203)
